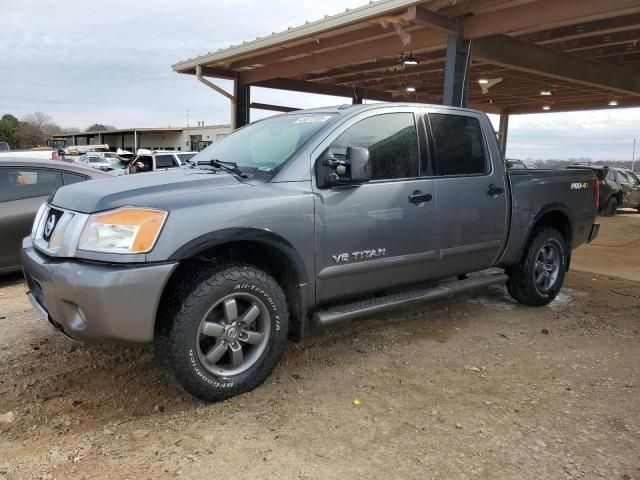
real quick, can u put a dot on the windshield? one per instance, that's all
(185, 157)
(96, 160)
(118, 162)
(264, 145)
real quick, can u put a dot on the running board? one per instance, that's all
(367, 307)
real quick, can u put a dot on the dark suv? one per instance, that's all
(619, 188)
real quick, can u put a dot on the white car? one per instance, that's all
(105, 161)
(38, 154)
(150, 161)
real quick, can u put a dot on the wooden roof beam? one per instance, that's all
(383, 47)
(314, 44)
(599, 41)
(571, 106)
(321, 89)
(433, 20)
(545, 13)
(519, 55)
(585, 31)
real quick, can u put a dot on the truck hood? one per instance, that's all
(141, 189)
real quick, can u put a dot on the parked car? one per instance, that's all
(311, 216)
(105, 161)
(619, 188)
(36, 153)
(159, 160)
(4, 147)
(24, 185)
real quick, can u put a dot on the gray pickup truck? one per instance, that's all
(310, 217)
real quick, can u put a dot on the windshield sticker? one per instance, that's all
(313, 119)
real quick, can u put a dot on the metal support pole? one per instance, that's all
(243, 104)
(135, 142)
(503, 132)
(633, 155)
(188, 134)
(221, 91)
(357, 96)
(456, 71)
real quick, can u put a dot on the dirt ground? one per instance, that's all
(472, 387)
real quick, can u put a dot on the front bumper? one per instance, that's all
(95, 302)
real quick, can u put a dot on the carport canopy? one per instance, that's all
(499, 56)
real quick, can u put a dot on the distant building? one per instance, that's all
(176, 138)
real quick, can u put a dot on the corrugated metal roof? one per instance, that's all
(330, 22)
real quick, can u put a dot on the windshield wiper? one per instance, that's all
(231, 167)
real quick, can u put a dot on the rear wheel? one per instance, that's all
(228, 334)
(610, 208)
(538, 277)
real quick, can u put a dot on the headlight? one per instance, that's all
(125, 230)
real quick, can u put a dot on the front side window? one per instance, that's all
(392, 141)
(458, 145)
(19, 183)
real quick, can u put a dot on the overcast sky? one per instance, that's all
(85, 62)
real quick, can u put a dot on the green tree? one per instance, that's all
(34, 130)
(9, 130)
(98, 127)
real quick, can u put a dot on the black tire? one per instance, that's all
(183, 344)
(610, 207)
(522, 285)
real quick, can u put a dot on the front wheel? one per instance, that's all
(228, 334)
(537, 278)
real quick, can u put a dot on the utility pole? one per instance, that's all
(188, 133)
(633, 155)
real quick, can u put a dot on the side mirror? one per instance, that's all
(355, 169)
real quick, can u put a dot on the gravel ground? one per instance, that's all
(469, 387)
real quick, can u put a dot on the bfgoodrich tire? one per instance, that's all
(538, 277)
(228, 333)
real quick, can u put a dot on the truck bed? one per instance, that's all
(573, 191)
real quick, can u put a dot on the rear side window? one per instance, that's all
(458, 145)
(392, 141)
(165, 161)
(70, 178)
(20, 183)
(621, 177)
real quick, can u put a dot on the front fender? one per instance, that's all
(230, 235)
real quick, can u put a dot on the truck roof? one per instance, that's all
(351, 109)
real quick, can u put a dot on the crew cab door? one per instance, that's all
(378, 234)
(470, 191)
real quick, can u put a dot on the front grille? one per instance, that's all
(51, 222)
